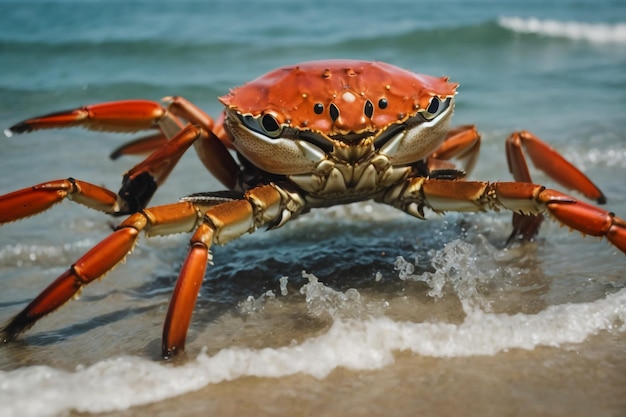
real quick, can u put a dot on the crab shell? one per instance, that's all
(338, 97)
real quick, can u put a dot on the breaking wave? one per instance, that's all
(365, 340)
(579, 31)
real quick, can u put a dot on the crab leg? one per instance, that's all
(141, 181)
(216, 219)
(221, 223)
(136, 115)
(114, 116)
(186, 292)
(33, 200)
(519, 197)
(100, 259)
(138, 186)
(212, 149)
(549, 161)
(552, 163)
(141, 146)
(92, 265)
(462, 142)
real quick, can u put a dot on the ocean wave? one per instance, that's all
(580, 31)
(123, 382)
(365, 342)
(404, 36)
(202, 50)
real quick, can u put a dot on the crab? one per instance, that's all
(311, 135)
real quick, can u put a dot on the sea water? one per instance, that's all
(353, 310)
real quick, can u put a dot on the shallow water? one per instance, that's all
(354, 310)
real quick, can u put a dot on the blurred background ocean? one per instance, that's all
(408, 317)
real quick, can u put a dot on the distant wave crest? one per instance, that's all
(580, 31)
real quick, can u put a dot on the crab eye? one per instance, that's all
(334, 111)
(368, 109)
(383, 103)
(270, 126)
(435, 107)
(318, 108)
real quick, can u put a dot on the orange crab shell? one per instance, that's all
(303, 95)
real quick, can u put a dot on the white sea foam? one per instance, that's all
(119, 383)
(351, 342)
(591, 32)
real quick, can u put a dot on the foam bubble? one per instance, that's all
(580, 31)
(322, 300)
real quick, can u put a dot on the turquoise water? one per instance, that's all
(532, 330)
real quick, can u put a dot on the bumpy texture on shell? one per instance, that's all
(291, 93)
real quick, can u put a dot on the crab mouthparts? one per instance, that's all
(352, 137)
(363, 140)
